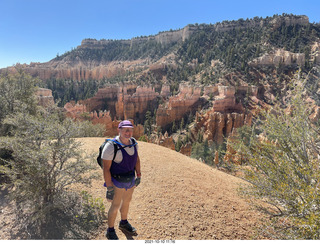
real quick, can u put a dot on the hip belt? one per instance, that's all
(124, 177)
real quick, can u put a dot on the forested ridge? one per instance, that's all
(232, 49)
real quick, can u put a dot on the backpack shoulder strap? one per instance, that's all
(116, 148)
(134, 140)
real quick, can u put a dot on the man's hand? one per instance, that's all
(137, 181)
(110, 193)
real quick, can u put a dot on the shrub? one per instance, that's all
(17, 93)
(143, 138)
(46, 161)
(283, 168)
(87, 129)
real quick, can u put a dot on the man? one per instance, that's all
(119, 176)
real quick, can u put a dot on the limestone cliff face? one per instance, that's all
(136, 105)
(217, 125)
(45, 97)
(105, 98)
(225, 115)
(178, 106)
(114, 103)
(165, 141)
(279, 57)
(290, 20)
(79, 69)
(189, 98)
(123, 102)
(275, 23)
(315, 52)
(165, 38)
(129, 101)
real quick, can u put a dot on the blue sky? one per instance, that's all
(38, 30)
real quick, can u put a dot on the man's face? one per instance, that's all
(126, 132)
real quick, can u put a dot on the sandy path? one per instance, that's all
(182, 199)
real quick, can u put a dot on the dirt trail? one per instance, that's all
(180, 198)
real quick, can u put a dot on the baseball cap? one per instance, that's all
(125, 123)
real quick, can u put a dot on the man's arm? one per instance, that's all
(138, 169)
(106, 172)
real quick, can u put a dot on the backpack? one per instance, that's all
(116, 145)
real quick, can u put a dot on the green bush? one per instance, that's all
(143, 138)
(17, 93)
(87, 129)
(45, 162)
(283, 168)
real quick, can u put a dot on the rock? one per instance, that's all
(136, 105)
(225, 100)
(210, 91)
(165, 91)
(75, 110)
(178, 106)
(279, 57)
(217, 125)
(315, 52)
(186, 149)
(165, 141)
(132, 102)
(289, 20)
(229, 125)
(124, 102)
(45, 97)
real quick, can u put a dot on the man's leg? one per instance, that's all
(126, 199)
(115, 205)
(124, 224)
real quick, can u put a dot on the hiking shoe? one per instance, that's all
(111, 235)
(128, 228)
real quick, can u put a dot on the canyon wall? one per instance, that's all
(178, 106)
(217, 125)
(114, 103)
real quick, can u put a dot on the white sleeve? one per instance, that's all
(108, 151)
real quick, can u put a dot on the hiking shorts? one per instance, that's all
(126, 185)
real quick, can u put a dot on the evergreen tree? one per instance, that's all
(182, 124)
(17, 93)
(178, 144)
(148, 123)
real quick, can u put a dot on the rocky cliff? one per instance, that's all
(217, 125)
(124, 102)
(129, 101)
(279, 57)
(179, 106)
(44, 97)
(164, 38)
(98, 59)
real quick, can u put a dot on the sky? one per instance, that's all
(39, 30)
